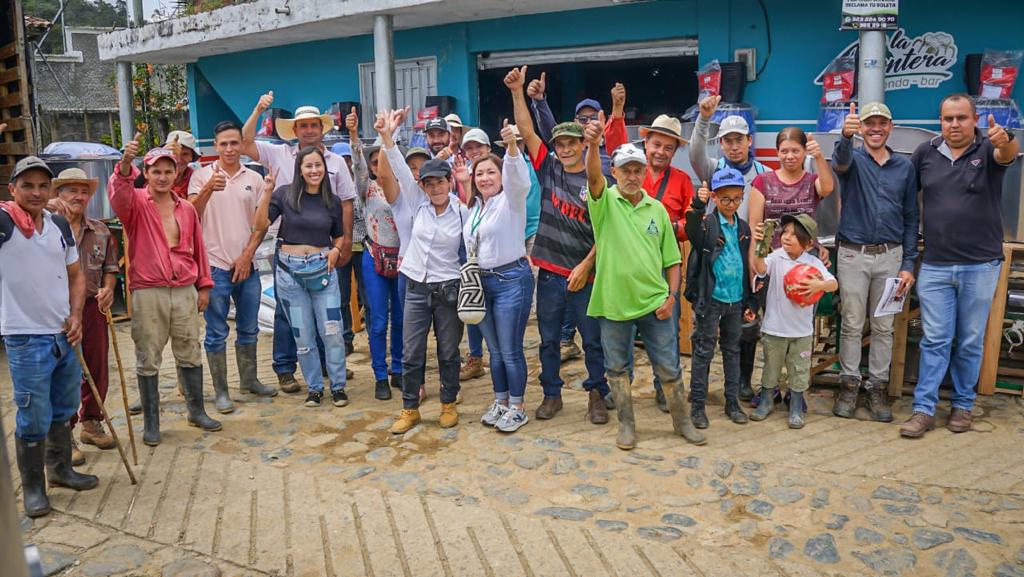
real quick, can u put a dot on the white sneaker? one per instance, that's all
(511, 420)
(494, 414)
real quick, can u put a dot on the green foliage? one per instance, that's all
(98, 13)
(160, 91)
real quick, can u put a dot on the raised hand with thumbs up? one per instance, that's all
(131, 152)
(851, 125)
(352, 124)
(997, 134)
(537, 87)
(508, 136)
(593, 131)
(265, 102)
(704, 193)
(709, 105)
(515, 79)
(618, 100)
(813, 148)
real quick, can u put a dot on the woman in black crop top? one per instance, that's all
(310, 235)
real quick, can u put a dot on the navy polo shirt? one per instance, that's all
(963, 222)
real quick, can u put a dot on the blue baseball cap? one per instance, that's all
(588, 102)
(342, 149)
(727, 177)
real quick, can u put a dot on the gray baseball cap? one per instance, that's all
(29, 163)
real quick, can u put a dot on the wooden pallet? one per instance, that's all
(17, 141)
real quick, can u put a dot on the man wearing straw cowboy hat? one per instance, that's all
(308, 127)
(97, 253)
(41, 320)
(666, 183)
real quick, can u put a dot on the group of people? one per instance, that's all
(571, 214)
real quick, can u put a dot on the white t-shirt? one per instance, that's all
(783, 317)
(34, 295)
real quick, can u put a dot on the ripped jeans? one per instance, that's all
(311, 313)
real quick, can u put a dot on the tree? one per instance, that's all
(96, 13)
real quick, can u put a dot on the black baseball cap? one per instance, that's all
(435, 167)
(436, 124)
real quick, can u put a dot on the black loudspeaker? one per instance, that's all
(734, 81)
(445, 104)
(972, 73)
(339, 110)
(266, 127)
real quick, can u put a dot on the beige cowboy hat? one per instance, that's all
(286, 126)
(667, 125)
(75, 176)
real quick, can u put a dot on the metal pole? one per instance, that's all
(871, 67)
(125, 100)
(383, 62)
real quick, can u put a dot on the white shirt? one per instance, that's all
(34, 292)
(430, 242)
(498, 228)
(783, 317)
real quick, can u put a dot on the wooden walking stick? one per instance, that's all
(124, 390)
(99, 401)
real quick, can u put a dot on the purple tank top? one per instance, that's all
(780, 198)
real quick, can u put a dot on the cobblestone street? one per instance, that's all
(286, 490)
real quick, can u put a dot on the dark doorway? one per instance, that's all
(654, 86)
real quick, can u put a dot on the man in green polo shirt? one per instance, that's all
(637, 282)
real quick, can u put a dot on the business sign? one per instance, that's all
(870, 14)
(923, 61)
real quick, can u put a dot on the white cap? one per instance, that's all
(476, 135)
(184, 138)
(733, 124)
(453, 120)
(628, 153)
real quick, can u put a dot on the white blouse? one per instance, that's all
(497, 228)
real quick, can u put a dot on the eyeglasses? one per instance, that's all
(586, 119)
(730, 200)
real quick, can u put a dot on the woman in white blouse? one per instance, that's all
(495, 231)
(429, 219)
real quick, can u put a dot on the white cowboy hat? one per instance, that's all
(667, 125)
(286, 126)
(75, 176)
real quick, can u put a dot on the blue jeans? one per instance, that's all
(554, 302)
(284, 351)
(345, 288)
(476, 341)
(568, 327)
(675, 319)
(719, 323)
(47, 382)
(384, 297)
(955, 302)
(246, 295)
(312, 313)
(660, 341)
(508, 295)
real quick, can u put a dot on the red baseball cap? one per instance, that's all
(156, 154)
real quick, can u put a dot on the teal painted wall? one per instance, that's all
(804, 32)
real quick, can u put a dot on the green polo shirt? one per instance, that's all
(635, 245)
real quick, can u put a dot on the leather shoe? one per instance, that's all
(959, 421)
(549, 407)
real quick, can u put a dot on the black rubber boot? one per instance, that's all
(149, 397)
(796, 410)
(381, 390)
(660, 400)
(748, 351)
(245, 358)
(191, 379)
(58, 461)
(33, 482)
(218, 363)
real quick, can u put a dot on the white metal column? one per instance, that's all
(383, 62)
(871, 67)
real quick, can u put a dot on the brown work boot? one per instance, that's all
(959, 421)
(93, 434)
(288, 383)
(596, 411)
(877, 402)
(407, 420)
(449, 416)
(846, 400)
(77, 456)
(471, 369)
(917, 425)
(548, 408)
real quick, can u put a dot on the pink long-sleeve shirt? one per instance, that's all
(153, 262)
